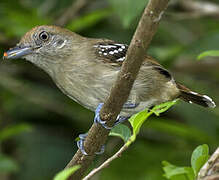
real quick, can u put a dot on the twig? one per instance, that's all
(71, 12)
(202, 7)
(97, 135)
(210, 171)
(196, 9)
(107, 162)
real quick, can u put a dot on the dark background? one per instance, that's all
(38, 124)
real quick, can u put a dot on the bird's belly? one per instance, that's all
(82, 96)
(90, 91)
(91, 97)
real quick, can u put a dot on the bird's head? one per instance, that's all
(44, 44)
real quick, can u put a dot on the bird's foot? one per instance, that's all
(80, 144)
(130, 105)
(119, 119)
(97, 119)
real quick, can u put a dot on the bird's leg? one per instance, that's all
(97, 119)
(130, 105)
(80, 144)
(119, 119)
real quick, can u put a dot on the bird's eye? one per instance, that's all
(44, 36)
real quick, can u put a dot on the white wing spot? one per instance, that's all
(107, 46)
(120, 59)
(117, 51)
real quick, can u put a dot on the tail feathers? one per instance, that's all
(193, 97)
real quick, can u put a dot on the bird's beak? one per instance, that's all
(17, 52)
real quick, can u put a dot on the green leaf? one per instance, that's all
(128, 10)
(163, 107)
(7, 165)
(13, 130)
(66, 173)
(199, 157)
(208, 53)
(136, 122)
(138, 119)
(173, 172)
(121, 131)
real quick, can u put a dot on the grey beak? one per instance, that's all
(17, 52)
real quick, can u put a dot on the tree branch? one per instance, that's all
(200, 7)
(71, 12)
(210, 171)
(196, 9)
(106, 163)
(97, 135)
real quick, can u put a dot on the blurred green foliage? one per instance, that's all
(66, 173)
(38, 124)
(136, 121)
(208, 53)
(199, 157)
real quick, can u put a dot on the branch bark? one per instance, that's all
(210, 171)
(97, 135)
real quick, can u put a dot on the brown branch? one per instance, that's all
(71, 12)
(210, 171)
(97, 135)
(202, 7)
(190, 65)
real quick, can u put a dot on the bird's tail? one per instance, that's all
(192, 97)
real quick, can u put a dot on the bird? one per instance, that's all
(85, 69)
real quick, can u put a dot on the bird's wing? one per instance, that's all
(111, 52)
(115, 53)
